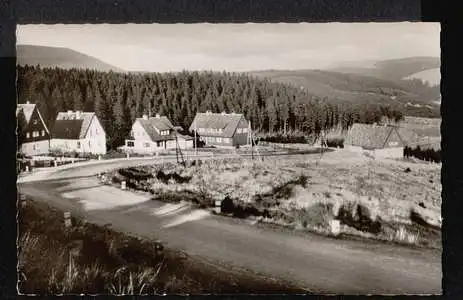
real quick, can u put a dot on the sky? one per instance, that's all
(238, 47)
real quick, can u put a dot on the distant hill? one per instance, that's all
(353, 87)
(392, 69)
(432, 76)
(60, 57)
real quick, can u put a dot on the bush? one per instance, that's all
(426, 154)
(283, 139)
(335, 142)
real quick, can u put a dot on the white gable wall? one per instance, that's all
(95, 139)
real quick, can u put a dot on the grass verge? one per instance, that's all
(88, 259)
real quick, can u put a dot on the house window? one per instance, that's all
(227, 140)
(244, 130)
(35, 122)
(89, 144)
(219, 140)
(96, 131)
(130, 144)
(212, 139)
(238, 130)
(34, 147)
(43, 132)
(158, 144)
(28, 135)
(78, 145)
(147, 145)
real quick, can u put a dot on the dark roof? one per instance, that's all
(227, 122)
(85, 117)
(67, 129)
(154, 125)
(376, 136)
(27, 110)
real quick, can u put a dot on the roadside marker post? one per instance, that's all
(335, 227)
(218, 204)
(67, 219)
(99, 157)
(123, 184)
(128, 155)
(27, 168)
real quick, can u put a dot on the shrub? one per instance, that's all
(293, 138)
(335, 142)
(423, 154)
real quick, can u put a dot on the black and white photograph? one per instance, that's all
(244, 158)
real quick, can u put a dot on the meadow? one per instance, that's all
(391, 200)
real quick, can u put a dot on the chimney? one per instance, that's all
(28, 102)
(78, 114)
(145, 117)
(157, 116)
(69, 113)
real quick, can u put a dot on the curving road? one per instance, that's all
(315, 263)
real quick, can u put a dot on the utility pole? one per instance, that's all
(196, 142)
(251, 138)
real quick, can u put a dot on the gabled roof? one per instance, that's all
(67, 129)
(376, 136)
(72, 125)
(27, 109)
(227, 122)
(154, 125)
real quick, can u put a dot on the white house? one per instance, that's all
(77, 131)
(154, 134)
(33, 134)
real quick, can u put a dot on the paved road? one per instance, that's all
(313, 262)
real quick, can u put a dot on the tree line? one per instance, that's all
(119, 98)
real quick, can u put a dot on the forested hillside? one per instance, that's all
(119, 98)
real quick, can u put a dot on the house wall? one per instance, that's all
(393, 141)
(95, 139)
(36, 148)
(217, 141)
(392, 152)
(64, 145)
(240, 137)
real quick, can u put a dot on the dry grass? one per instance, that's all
(380, 188)
(87, 259)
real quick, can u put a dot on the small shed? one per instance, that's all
(385, 140)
